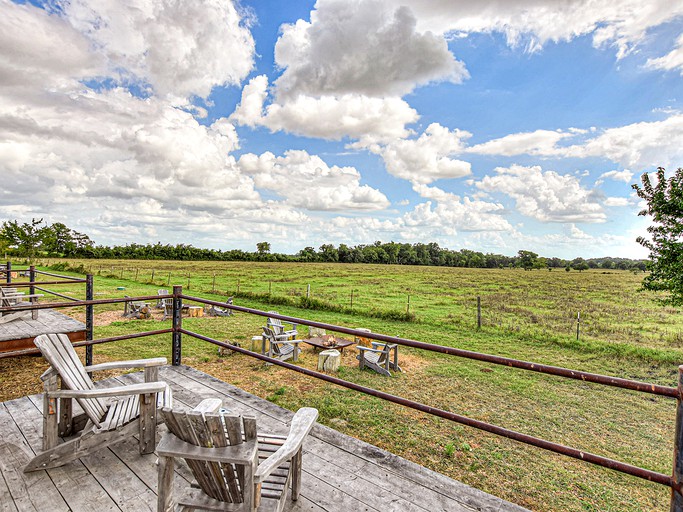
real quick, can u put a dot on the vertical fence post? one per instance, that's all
(152, 276)
(238, 286)
(270, 287)
(176, 357)
(32, 278)
(136, 273)
(578, 325)
(478, 312)
(408, 306)
(9, 272)
(676, 495)
(89, 318)
(308, 291)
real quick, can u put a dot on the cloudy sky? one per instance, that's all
(492, 125)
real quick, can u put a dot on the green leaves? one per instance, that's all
(665, 243)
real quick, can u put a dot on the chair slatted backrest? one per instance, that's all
(275, 344)
(221, 481)
(58, 351)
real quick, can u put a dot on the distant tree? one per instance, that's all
(26, 237)
(263, 248)
(526, 259)
(329, 253)
(665, 206)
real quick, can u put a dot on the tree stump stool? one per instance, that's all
(363, 342)
(328, 360)
(195, 311)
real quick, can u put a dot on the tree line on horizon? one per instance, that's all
(38, 239)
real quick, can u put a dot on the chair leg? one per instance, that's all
(148, 423)
(165, 490)
(50, 416)
(296, 475)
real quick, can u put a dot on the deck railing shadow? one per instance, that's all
(177, 332)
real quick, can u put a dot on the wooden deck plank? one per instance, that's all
(85, 493)
(32, 492)
(339, 473)
(19, 334)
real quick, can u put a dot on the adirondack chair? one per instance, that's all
(280, 346)
(12, 297)
(132, 410)
(136, 309)
(167, 304)
(217, 311)
(236, 469)
(379, 357)
(160, 302)
(276, 325)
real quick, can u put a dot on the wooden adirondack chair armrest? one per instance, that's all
(118, 365)
(302, 423)
(171, 446)
(368, 349)
(133, 389)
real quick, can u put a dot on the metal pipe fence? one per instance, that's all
(673, 481)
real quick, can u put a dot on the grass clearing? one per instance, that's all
(527, 315)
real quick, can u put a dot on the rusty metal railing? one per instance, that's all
(673, 481)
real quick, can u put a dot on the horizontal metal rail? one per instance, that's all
(70, 278)
(31, 351)
(55, 293)
(76, 303)
(605, 380)
(622, 467)
(24, 284)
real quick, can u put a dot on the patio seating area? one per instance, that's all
(340, 473)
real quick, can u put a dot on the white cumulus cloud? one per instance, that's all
(545, 196)
(306, 181)
(328, 117)
(365, 47)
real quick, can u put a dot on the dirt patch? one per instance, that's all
(109, 317)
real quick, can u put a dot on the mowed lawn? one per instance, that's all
(525, 315)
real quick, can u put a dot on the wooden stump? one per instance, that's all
(364, 342)
(328, 360)
(256, 343)
(195, 311)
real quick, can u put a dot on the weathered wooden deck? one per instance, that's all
(341, 474)
(19, 334)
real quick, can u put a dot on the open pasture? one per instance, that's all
(539, 303)
(525, 315)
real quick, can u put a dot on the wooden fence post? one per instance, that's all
(578, 325)
(308, 291)
(677, 476)
(478, 312)
(9, 272)
(408, 306)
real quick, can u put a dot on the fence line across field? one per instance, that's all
(354, 295)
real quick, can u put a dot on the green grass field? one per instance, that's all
(525, 315)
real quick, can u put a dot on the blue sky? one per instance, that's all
(494, 126)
